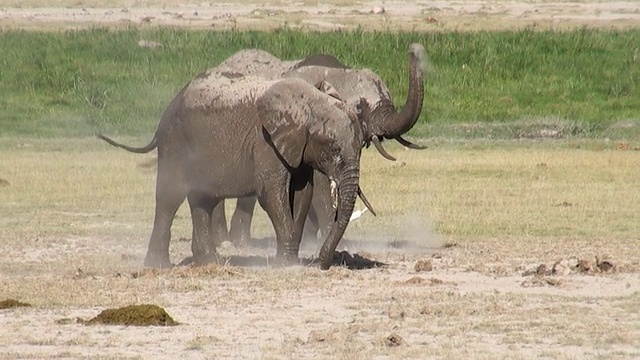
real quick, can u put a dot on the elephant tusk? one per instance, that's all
(380, 149)
(365, 201)
(409, 144)
(334, 195)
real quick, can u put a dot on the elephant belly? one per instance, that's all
(222, 180)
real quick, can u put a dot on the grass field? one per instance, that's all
(73, 83)
(533, 159)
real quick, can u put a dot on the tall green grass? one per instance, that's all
(77, 82)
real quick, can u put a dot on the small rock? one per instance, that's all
(604, 265)
(561, 268)
(394, 340)
(414, 280)
(4, 183)
(395, 312)
(423, 265)
(147, 19)
(584, 266)
(541, 270)
(377, 10)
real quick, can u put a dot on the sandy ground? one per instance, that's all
(329, 15)
(475, 300)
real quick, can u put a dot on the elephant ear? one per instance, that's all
(328, 89)
(290, 110)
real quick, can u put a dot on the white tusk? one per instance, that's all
(356, 214)
(334, 195)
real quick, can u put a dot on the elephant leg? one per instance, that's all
(240, 232)
(219, 224)
(310, 231)
(169, 197)
(275, 201)
(301, 195)
(202, 244)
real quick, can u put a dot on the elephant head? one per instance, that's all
(323, 132)
(381, 120)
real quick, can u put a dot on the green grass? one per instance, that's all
(74, 83)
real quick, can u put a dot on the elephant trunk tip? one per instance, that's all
(419, 53)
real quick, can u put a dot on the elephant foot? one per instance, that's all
(157, 261)
(204, 259)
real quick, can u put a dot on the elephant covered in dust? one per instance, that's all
(382, 120)
(230, 136)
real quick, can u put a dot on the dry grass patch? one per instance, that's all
(475, 216)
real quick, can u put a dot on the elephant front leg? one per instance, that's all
(275, 201)
(203, 244)
(301, 197)
(240, 232)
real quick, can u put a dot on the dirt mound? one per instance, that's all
(136, 315)
(11, 303)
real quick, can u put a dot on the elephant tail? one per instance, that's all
(141, 150)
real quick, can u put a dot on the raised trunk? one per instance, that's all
(386, 121)
(347, 192)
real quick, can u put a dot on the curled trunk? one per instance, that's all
(386, 121)
(347, 192)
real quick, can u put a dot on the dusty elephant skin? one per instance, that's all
(383, 121)
(227, 136)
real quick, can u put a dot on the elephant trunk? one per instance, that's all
(347, 190)
(386, 121)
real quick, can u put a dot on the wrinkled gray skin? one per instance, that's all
(381, 121)
(287, 128)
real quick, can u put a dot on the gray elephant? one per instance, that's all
(382, 121)
(227, 136)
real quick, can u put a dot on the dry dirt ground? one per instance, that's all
(74, 223)
(321, 15)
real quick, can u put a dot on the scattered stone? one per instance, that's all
(423, 265)
(537, 281)
(11, 303)
(149, 44)
(135, 315)
(395, 312)
(67, 321)
(604, 265)
(541, 270)
(584, 266)
(431, 20)
(4, 183)
(325, 335)
(414, 280)
(561, 268)
(394, 340)
(147, 19)
(435, 281)
(377, 10)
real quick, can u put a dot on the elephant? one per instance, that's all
(382, 121)
(229, 136)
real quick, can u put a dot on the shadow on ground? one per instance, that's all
(340, 258)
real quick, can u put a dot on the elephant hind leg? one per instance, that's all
(240, 231)
(203, 244)
(219, 224)
(168, 200)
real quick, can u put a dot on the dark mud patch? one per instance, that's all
(340, 258)
(11, 303)
(134, 315)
